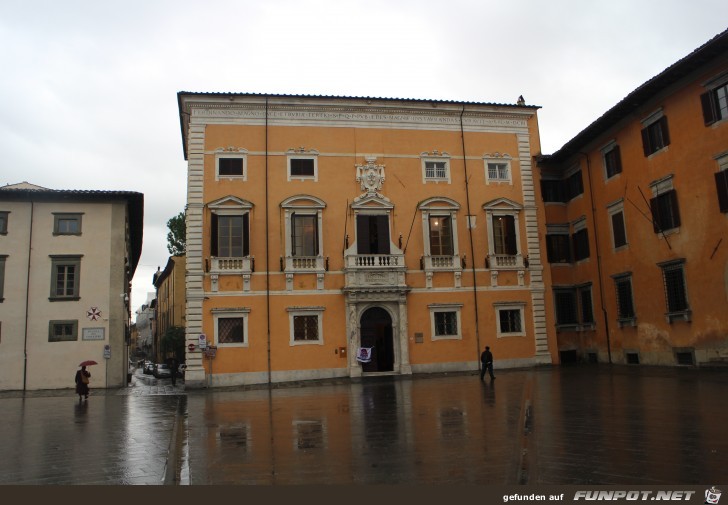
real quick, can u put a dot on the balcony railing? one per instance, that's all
(505, 261)
(375, 261)
(231, 265)
(441, 263)
(305, 264)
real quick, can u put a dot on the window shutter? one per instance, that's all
(383, 234)
(646, 142)
(708, 103)
(510, 232)
(617, 160)
(362, 235)
(618, 229)
(674, 209)
(213, 235)
(655, 210)
(665, 131)
(246, 240)
(721, 184)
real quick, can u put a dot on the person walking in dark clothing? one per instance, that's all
(486, 361)
(173, 367)
(82, 379)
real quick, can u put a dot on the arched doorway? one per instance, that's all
(376, 332)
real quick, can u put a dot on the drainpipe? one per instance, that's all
(27, 301)
(267, 245)
(599, 256)
(472, 247)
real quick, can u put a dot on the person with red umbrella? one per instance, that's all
(83, 377)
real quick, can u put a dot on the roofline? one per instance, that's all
(134, 201)
(230, 95)
(714, 48)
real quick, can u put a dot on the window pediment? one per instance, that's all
(307, 201)
(439, 203)
(372, 202)
(230, 203)
(502, 204)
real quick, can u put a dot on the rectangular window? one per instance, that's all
(445, 321)
(2, 277)
(574, 185)
(63, 331)
(612, 162)
(305, 328)
(619, 236)
(446, 324)
(574, 307)
(498, 171)
(510, 320)
(721, 185)
(558, 248)
(436, 170)
(302, 167)
(230, 236)
(665, 212)
(552, 190)
(372, 234)
(566, 307)
(304, 231)
(655, 136)
(673, 276)
(230, 167)
(3, 222)
(230, 330)
(715, 104)
(441, 243)
(581, 244)
(66, 271)
(625, 301)
(66, 224)
(504, 235)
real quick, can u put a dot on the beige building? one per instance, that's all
(170, 286)
(67, 258)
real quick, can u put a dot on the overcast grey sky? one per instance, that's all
(89, 87)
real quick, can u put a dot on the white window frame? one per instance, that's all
(440, 207)
(446, 307)
(494, 209)
(500, 159)
(232, 206)
(612, 209)
(306, 311)
(302, 154)
(609, 147)
(231, 153)
(520, 307)
(436, 157)
(309, 206)
(230, 313)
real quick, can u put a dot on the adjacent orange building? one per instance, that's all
(348, 237)
(637, 222)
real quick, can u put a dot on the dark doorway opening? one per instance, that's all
(376, 332)
(568, 357)
(372, 234)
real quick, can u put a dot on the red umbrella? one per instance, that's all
(88, 362)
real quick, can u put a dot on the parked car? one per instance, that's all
(162, 370)
(148, 368)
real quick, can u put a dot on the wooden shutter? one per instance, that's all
(246, 235)
(708, 102)
(510, 232)
(383, 234)
(665, 132)
(674, 209)
(213, 235)
(646, 142)
(617, 160)
(721, 184)
(362, 235)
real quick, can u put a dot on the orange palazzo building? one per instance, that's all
(637, 222)
(350, 237)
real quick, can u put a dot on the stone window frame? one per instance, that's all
(446, 307)
(302, 154)
(500, 159)
(654, 121)
(231, 153)
(4, 217)
(611, 148)
(663, 188)
(310, 206)
(435, 156)
(59, 217)
(74, 330)
(58, 260)
(440, 207)
(231, 313)
(509, 306)
(306, 311)
(613, 209)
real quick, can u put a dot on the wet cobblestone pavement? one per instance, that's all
(581, 425)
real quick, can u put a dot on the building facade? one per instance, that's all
(350, 237)
(170, 286)
(637, 222)
(66, 263)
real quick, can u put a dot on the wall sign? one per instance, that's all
(94, 334)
